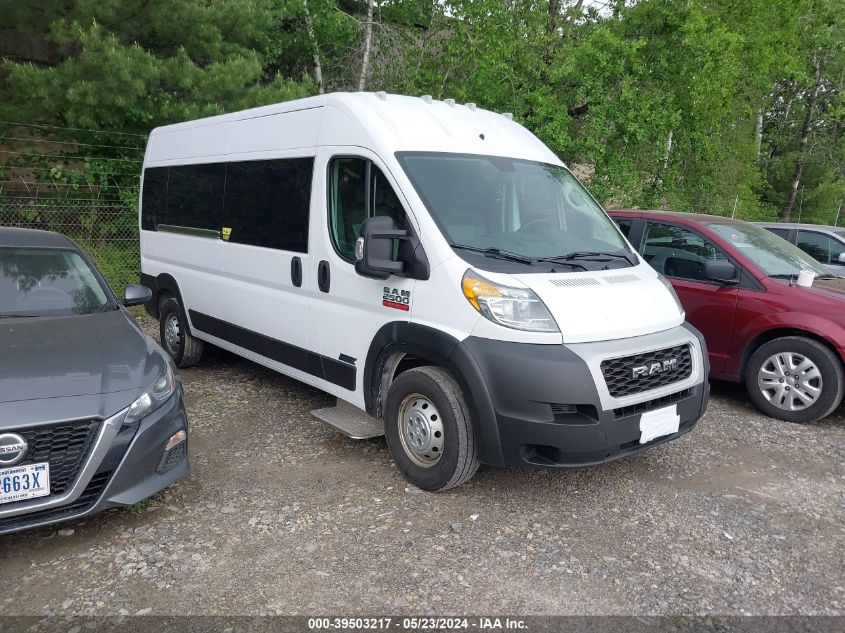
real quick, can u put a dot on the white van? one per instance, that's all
(432, 265)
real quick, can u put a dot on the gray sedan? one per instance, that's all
(91, 409)
(824, 243)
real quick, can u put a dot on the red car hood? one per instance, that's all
(833, 288)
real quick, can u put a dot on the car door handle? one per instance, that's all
(296, 271)
(323, 276)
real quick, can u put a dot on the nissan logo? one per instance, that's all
(12, 449)
(656, 367)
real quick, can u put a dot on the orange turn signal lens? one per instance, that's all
(474, 287)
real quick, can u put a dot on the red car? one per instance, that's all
(739, 285)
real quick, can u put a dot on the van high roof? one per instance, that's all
(378, 121)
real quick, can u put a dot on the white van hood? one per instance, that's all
(606, 305)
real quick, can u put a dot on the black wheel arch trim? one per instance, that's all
(446, 351)
(164, 282)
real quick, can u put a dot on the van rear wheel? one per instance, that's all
(184, 349)
(429, 430)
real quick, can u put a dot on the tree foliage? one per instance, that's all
(660, 103)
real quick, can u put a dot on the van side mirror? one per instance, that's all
(721, 272)
(374, 249)
(841, 259)
(136, 295)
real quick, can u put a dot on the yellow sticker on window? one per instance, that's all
(227, 232)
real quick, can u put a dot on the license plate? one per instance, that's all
(19, 483)
(657, 423)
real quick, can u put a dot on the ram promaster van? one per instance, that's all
(432, 265)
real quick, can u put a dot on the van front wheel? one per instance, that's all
(184, 349)
(429, 430)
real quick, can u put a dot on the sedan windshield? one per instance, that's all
(38, 282)
(515, 209)
(774, 255)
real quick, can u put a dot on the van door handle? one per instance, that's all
(296, 271)
(323, 276)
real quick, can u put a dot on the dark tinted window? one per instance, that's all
(624, 226)
(678, 252)
(817, 245)
(154, 199)
(267, 203)
(195, 196)
(784, 233)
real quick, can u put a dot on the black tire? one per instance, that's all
(187, 350)
(829, 366)
(458, 460)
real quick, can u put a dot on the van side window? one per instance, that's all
(267, 203)
(358, 190)
(675, 251)
(195, 196)
(154, 198)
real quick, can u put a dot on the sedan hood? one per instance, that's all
(606, 305)
(55, 357)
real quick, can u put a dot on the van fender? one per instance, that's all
(438, 348)
(164, 282)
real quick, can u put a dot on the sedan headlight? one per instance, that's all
(152, 398)
(517, 308)
(672, 292)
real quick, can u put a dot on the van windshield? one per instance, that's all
(522, 209)
(37, 282)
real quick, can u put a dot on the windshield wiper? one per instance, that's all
(595, 255)
(19, 316)
(557, 259)
(496, 252)
(795, 276)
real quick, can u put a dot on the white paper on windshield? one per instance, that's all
(660, 422)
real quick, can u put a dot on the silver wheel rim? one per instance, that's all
(421, 430)
(790, 381)
(171, 334)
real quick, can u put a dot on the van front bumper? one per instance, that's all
(125, 465)
(548, 406)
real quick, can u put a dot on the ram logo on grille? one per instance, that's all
(670, 364)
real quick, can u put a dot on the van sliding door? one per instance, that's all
(266, 258)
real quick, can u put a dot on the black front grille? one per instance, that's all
(622, 380)
(657, 403)
(84, 503)
(65, 446)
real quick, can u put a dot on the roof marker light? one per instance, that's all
(426, 98)
(471, 106)
(449, 102)
(508, 115)
(381, 94)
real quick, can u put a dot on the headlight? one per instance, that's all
(517, 308)
(152, 398)
(672, 292)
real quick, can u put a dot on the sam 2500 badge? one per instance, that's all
(397, 299)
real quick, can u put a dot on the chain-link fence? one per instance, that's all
(106, 231)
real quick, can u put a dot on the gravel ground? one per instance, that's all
(283, 515)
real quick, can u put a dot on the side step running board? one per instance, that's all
(350, 421)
